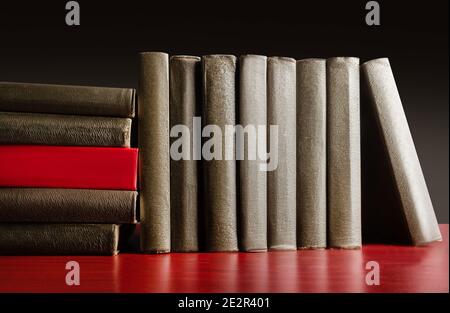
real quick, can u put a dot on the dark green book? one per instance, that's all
(57, 205)
(65, 130)
(59, 239)
(154, 157)
(71, 100)
(184, 99)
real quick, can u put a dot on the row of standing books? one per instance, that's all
(314, 197)
(68, 174)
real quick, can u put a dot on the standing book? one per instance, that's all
(311, 154)
(281, 182)
(409, 185)
(252, 178)
(154, 158)
(344, 164)
(184, 78)
(219, 110)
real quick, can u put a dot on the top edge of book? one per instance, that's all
(67, 99)
(256, 56)
(155, 53)
(312, 60)
(219, 56)
(185, 57)
(46, 148)
(380, 61)
(284, 59)
(63, 85)
(348, 60)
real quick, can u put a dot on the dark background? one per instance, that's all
(37, 46)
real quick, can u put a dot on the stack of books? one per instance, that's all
(67, 172)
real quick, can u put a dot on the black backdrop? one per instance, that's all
(37, 46)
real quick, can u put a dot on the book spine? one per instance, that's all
(281, 182)
(253, 180)
(63, 99)
(59, 239)
(219, 110)
(68, 167)
(405, 165)
(55, 205)
(184, 71)
(344, 165)
(311, 154)
(63, 130)
(154, 158)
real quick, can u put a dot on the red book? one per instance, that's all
(68, 167)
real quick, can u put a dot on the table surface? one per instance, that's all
(402, 269)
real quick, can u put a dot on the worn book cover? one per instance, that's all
(66, 99)
(59, 239)
(311, 154)
(219, 108)
(58, 205)
(64, 130)
(252, 178)
(344, 156)
(154, 157)
(406, 213)
(281, 182)
(184, 106)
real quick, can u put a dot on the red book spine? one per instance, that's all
(68, 167)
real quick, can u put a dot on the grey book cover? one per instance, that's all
(66, 130)
(219, 108)
(59, 239)
(58, 205)
(408, 188)
(344, 155)
(154, 157)
(184, 100)
(311, 154)
(66, 99)
(281, 182)
(253, 180)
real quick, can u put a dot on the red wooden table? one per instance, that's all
(402, 269)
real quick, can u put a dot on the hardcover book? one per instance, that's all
(281, 182)
(59, 239)
(64, 130)
(344, 164)
(184, 100)
(68, 167)
(70, 100)
(154, 158)
(57, 205)
(411, 215)
(219, 108)
(311, 154)
(253, 180)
